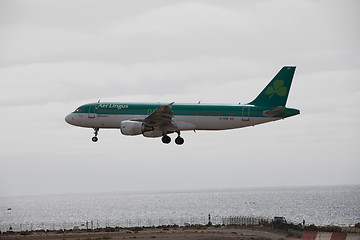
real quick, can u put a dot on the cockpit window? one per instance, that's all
(78, 110)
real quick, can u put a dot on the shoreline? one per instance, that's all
(173, 232)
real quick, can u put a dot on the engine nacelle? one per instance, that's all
(132, 128)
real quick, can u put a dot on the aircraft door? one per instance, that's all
(245, 113)
(92, 110)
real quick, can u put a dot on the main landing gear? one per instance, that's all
(96, 132)
(179, 140)
(166, 139)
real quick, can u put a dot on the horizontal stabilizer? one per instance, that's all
(274, 112)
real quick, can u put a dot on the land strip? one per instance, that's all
(176, 233)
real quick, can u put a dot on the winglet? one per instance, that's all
(276, 92)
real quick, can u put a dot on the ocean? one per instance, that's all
(319, 205)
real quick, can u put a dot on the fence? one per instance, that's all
(96, 224)
(245, 221)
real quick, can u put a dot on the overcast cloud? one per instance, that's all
(57, 55)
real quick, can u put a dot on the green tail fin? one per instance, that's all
(276, 92)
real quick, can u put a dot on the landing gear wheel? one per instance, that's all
(166, 139)
(96, 132)
(179, 140)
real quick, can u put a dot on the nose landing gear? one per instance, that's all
(96, 132)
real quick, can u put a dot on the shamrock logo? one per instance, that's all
(277, 89)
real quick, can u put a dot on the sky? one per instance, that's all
(57, 55)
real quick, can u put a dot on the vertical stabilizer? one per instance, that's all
(275, 94)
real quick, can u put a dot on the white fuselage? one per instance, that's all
(182, 122)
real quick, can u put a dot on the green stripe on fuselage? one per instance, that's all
(181, 109)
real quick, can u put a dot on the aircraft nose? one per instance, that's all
(69, 119)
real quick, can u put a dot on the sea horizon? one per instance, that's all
(320, 205)
(180, 190)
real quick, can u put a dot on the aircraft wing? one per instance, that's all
(162, 117)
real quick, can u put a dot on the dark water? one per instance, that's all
(335, 205)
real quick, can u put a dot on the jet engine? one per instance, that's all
(132, 128)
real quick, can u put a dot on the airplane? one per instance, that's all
(160, 119)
